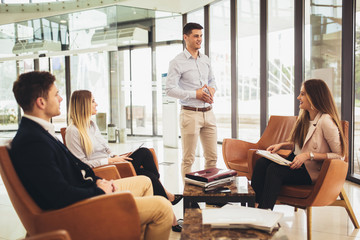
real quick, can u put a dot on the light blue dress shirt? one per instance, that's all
(187, 74)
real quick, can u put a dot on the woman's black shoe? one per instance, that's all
(177, 199)
(177, 228)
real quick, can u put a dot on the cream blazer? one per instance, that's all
(323, 137)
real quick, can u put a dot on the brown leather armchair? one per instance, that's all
(324, 192)
(54, 235)
(238, 154)
(125, 169)
(112, 216)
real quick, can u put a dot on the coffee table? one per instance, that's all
(194, 194)
(194, 229)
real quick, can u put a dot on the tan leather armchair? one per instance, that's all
(125, 169)
(238, 154)
(324, 192)
(111, 216)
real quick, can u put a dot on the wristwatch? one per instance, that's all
(311, 156)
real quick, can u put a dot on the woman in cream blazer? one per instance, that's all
(317, 135)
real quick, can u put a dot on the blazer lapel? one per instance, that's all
(312, 128)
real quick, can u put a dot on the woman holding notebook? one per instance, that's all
(317, 135)
(84, 140)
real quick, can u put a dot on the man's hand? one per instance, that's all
(211, 91)
(205, 94)
(106, 186)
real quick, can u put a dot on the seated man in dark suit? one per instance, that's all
(54, 177)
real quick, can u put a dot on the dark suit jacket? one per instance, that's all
(50, 173)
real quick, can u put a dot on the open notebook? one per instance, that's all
(273, 157)
(235, 216)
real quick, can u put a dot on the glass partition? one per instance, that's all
(323, 32)
(8, 106)
(220, 57)
(356, 110)
(280, 57)
(248, 56)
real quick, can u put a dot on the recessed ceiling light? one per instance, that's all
(62, 21)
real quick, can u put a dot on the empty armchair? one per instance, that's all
(238, 154)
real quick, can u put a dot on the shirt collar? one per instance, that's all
(45, 124)
(188, 54)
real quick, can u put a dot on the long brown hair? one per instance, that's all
(79, 115)
(321, 99)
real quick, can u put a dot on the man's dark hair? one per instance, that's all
(31, 85)
(190, 26)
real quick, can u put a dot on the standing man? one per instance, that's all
(191, 80)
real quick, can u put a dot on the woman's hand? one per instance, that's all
(299, 160)
(274, 148)
(119, 159)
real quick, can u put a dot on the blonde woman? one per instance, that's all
(84, 140)
(317, 135)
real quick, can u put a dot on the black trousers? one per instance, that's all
(268, 177)
(143, 157)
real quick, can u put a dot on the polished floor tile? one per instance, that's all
(329, 223)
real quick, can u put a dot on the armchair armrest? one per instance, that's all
(252, 158)
(101, 213)
(329, 183)
(107, 172)
(125, 169)
(53, 235)
(155, 158)
(235, 149)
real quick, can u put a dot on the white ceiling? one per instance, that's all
(10, 13)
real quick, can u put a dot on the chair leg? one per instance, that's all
(345, 203)
(308, 222)
(348, 208)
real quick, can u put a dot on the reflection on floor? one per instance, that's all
(328, 222)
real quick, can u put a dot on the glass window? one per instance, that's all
(323, 44)
(124, 78)
(281, 58)
(90, 71)
(248, 38)
(9, 107)
(168, 28)
(141, 97)
(220, 57)
(164, 54)
(356, 154)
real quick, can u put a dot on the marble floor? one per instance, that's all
(328, 222)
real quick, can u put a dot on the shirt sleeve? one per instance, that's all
(211, 79)
(172, 83)
(73, 143)
(332, 137)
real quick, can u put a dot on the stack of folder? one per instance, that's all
(234, 216)
(211, 178)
